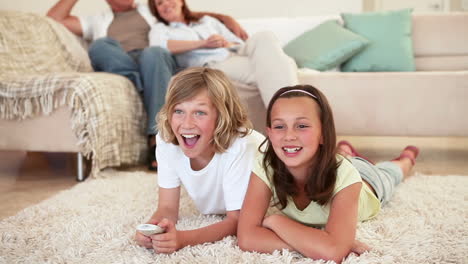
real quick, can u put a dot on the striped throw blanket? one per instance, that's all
(43, 66)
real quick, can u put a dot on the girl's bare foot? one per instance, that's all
(347, 150)
(407, 159)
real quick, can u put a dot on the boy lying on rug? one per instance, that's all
(311, 184)
(205, 142)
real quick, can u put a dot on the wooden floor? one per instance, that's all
(28, 178)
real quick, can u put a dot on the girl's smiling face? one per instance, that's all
(193, 122)
(295, 132)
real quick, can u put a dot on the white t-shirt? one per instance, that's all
(222, 184)
(96, 26)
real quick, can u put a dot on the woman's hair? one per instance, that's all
(321, 181)
(232, 120)
(188, 15)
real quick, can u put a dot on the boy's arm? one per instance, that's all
(168, 207)
(228, 21)
(173, 239)
(61, 12)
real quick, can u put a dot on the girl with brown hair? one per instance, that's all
(304, 177)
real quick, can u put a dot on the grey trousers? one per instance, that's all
(383, 177)
(150, 70)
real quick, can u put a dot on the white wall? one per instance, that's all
(83, 7)
(235, 8)
(268, 8)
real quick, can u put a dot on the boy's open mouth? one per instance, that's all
(190, 139)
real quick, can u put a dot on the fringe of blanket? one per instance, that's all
(23, 108)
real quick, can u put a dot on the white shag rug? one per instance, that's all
(94, 222)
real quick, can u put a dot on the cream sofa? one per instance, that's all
(99, 115)
(432, 101)
(51, 101)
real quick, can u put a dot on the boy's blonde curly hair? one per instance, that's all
(232, 120)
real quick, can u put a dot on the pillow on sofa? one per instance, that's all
(325, 46)
(391, 46)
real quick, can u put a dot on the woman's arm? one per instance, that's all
(160, 35)
(252, 235)
(228, 21)
(174, 239)
(333, 243)
(180, 46)
(168, 207)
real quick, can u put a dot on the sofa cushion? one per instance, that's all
(285, 28)
(390, 47)
(325, 46)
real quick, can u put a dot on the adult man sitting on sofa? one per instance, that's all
(120, 46)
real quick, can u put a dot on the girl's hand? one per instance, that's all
(359, 247)
(269, 221)
(167, 242)
(215, 41)
(143, 240)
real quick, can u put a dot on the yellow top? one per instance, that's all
(316, 214)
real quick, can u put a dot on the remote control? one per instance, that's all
(149, 229)
(234, 47)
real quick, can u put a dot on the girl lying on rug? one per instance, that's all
(311, 184)
(206, 144)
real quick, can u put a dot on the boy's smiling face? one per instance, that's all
(193, 122)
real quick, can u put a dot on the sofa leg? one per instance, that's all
(80, 176)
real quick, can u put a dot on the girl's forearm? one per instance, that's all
(261, 239)
(311, 242)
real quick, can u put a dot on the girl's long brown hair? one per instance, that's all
(321, 181)
(189, 16)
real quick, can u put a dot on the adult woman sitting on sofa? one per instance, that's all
(207, 42)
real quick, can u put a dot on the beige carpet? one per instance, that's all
(94, 223)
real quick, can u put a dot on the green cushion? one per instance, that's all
(325, 46)
(391, 46)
